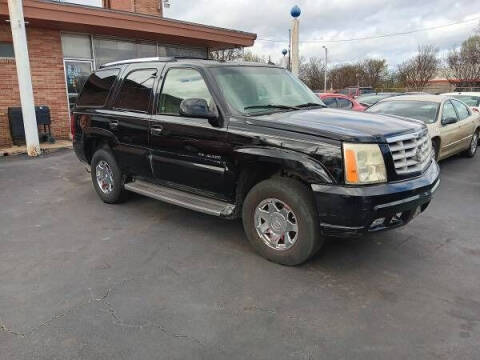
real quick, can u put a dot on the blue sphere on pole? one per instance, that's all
(284, 52)
(295, 12)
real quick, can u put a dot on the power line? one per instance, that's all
(378, 36)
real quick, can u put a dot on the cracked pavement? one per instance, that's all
(80, 279)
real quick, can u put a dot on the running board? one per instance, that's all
(181, 198)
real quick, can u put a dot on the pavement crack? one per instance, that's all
(4, 328)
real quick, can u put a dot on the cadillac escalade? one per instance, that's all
(251, 141)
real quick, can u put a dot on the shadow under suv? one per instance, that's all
(250, 141)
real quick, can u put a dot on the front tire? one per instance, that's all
(436, 148)
(472, 149)
(106, 176)
(281, 222)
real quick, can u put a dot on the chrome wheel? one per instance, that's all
(474, 143)
(276, 224)
(104, 175)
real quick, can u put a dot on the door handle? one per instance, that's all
(113, 124)
(157, 130)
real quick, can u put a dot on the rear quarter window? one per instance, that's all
(98, 86)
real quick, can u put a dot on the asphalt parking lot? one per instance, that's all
(80, 279)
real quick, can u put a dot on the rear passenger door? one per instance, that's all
(187, 151)
(130, 116)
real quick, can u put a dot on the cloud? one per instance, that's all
(333, 20)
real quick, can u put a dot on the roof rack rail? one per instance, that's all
(139, 60)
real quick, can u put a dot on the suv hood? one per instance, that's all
(336, 124)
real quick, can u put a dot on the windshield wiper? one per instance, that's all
(271, 106)
(310, 104)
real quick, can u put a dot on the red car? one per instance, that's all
(340, 101)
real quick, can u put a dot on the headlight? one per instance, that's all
(364, 164)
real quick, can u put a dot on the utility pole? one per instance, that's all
(17, 24)
(295, 12)
(326, 64)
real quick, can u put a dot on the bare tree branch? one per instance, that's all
(418, 71)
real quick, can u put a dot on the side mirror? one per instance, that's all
(449, 120)
(198, 108)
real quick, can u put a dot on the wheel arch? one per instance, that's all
(258, 164)
(96, 138)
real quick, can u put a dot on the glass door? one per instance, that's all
(76, 74)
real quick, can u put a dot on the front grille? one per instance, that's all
(411, 152)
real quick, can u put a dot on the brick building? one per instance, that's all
(67, 41)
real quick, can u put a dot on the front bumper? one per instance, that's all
(347, 210)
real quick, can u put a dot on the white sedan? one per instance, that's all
(472, 99)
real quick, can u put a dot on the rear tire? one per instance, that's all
(285, 204)
(472, 148)
(107, 178)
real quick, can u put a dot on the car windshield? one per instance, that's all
(420, 110)
(367, 91)
(468, 99)
(371, 99)
(257, 89)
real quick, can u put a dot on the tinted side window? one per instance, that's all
(182, 84)
(462, 110)
(344, 103)
(330, 102)
(448, 111)
(97, 88)
(136, 90)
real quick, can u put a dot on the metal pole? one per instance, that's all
(17, 24)
(295, 56)
(289, 49)
(325, 77)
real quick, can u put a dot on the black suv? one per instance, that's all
(251, 141)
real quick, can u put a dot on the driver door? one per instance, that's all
(186, 152)
(450, 135)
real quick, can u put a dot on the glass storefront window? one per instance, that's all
(168, 50)
(76, 46)
(108, 50)
(146, 50)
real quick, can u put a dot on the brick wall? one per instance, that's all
(125, 5)
(46, 62)
(150, 7)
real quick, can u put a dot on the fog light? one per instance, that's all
(377, 222)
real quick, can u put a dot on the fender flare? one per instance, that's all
(311, 170)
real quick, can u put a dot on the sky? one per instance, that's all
(331, 20)
(339, 19)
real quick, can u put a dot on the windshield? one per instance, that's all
(252, 89)
(372, 99)
(420, 110)
(367, 91)
(468, 99)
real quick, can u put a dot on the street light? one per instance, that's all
(325, 80)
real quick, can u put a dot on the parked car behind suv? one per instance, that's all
(453, 127)
(340, 101)
(250, 141)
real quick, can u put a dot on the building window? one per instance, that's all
(108, 50)
(76, 46)
(136, 90)
(180, 51)
(6, 50)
